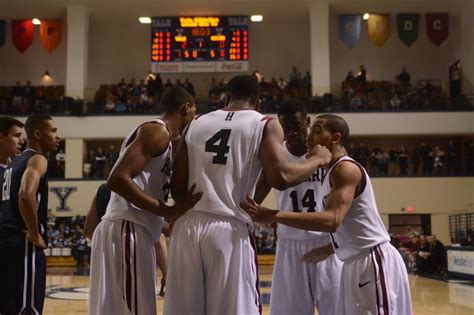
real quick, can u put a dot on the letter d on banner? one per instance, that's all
(408, 25)
(350, 29)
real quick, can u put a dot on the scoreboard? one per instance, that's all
(199, 44)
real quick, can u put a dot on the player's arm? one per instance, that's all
(318, 254)
(151, 140)
(345, 180)
(92, 218)
(262, 190)
(180, 175)
(279, 172)
(35, 170)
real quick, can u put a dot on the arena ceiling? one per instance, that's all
(119, 9)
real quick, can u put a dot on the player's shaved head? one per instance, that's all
(36, 122)
(174, 97)
(245, 88)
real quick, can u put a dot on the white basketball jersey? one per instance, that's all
(223, 149)
(362, 228)
(300, 198)
(154, 180)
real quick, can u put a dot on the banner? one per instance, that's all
(3, 25)
(437, 27)
(350, 29)
(379, 28)
(22, 34)
(50, 34)
(408, 25)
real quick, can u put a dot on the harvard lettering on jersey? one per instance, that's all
(12, 221)
(154, 180)
(300, 198)
(223, 149)
(362, 228)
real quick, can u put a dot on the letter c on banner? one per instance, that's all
(408, 25)
(350, 27)
(437, 25)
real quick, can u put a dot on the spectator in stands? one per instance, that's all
(395, 102)
(179, 83)
(404, 77)
(356, 101)
(256, 74)
(437, 254)
(350, 77)
(17, 94)
(293, 77)
(100, 160)
(438, 160)
(351, 151)
(403, 161)
(282, 84)
(427, 159)
(362, 76)
(415, 159)
(307, 83)
(189, 87)
(409, 251)
(363, 155)
(61, 162)
(112, 156)
(110, 104)
(29, 92)
(451, 158)
(81, 251)
(168, 84)
(393, 160)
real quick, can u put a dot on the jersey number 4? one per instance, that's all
(7, 179)
(307, 202)
(221, 149)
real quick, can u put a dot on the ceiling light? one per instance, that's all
(36, 21)
(256, 18)
(366, 16)
(145, 19)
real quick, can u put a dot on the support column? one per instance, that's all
(319, 39)
(77, 50)
(74, 158)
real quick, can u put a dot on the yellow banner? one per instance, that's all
(379, 28)
(50, 34)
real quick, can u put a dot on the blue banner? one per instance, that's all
(2, 32)
(350, 29)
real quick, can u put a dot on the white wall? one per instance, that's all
(423, 60)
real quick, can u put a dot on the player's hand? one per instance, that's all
(257, 212)
(36, 239)
(184, 204)
(318, 254)
(322, 153)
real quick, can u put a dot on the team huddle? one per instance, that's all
(333, 251)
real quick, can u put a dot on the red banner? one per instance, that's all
(437, 27)
(22, 34)
(50, 34)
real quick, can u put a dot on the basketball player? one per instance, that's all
(374, 279)
(316, 284)
(212, 260)
(123, 262)
(24, 221)
(10, 143)
(97, 211)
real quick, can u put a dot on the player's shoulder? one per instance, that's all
(346, 171)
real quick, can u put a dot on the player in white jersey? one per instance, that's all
(212, 259)
(123, 262)
(316, 285)
(374, 279)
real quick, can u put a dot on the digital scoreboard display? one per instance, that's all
(200, 44)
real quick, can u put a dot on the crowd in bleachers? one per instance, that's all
(421, 160)
(66, 234)
(26, 99)
(99, 162)
(360, 94)
(422, 254)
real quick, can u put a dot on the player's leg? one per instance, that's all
(230, 267)
(184, 281)
(291, 288)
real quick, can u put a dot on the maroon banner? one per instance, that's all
(437, 27)
(22, 34)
